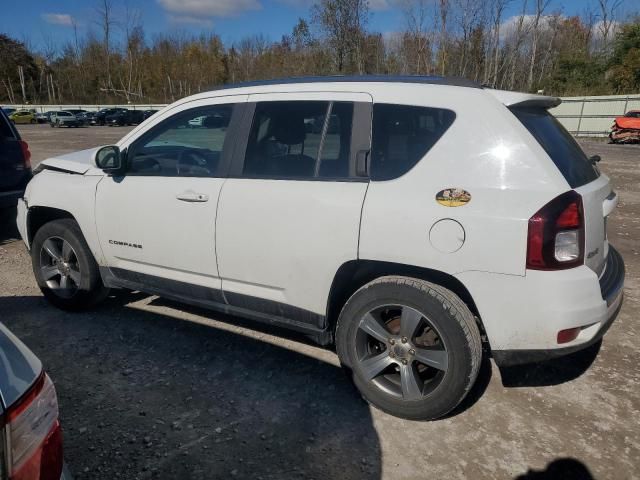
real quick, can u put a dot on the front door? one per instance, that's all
(289, 214)
(157, 222)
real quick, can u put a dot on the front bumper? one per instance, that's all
(21, 221)
(612, 291)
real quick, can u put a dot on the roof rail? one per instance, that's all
(424, 79)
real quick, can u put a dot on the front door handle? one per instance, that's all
(192, 197)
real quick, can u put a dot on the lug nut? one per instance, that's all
(391, 354)
(404, 361)
(404, 339)
(392, 341)
(412, 352)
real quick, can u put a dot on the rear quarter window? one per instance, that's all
(402, 135)
(565, 152)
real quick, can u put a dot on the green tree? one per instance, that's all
(624, 65)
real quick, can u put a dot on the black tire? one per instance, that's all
(90, 290)
(443, 315)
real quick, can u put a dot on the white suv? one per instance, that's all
(408, 220)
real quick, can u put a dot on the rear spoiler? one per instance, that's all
(525, 100)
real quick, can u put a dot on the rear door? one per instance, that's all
(597, 196)
(13, 170)
(289, 214)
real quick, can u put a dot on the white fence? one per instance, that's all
(582, 116)
(593, 116)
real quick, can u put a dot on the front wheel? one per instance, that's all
(64, 267)
(412, 347)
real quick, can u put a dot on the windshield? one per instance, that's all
(565, 152)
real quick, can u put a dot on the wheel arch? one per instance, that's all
(356, 273)
(38, 216)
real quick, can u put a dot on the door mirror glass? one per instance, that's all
(109, 159)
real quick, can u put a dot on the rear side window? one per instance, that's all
(559, 145)
(300, 140)
(402, 135)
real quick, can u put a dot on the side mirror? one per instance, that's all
(109, 159)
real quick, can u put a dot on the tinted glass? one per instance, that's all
(559, 145)
(299, 140)
(334, 157)
(188, 144)
(5, 130)
(402, 135)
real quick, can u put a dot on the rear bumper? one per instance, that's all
(611, 285)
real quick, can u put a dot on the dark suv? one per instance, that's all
(15, 163)
(125, 117)
(100, 118)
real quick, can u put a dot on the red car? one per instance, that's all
(30, 437)
(626, 129)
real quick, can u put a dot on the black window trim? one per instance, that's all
(360, 140)
(228, 145)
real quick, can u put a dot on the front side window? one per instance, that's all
(402, 135)
(189, 144)
(299, 139)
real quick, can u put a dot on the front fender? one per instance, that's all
(71, 193)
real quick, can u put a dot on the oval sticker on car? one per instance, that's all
(453, 197)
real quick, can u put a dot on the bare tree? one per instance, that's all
(416, 13)
(541, 6)
(343, 23)
(443, 11)
(469, 16)
(497, 11)
(607, 18)
(107, 21)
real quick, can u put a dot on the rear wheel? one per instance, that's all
(64, 267)
(412, 347)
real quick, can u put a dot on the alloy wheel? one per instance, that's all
(59, 267)
(400, 351)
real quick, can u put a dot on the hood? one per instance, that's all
(76, 162)
(19, 367)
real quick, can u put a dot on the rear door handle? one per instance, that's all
(192, 197)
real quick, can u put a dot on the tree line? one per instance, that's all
(538, 49)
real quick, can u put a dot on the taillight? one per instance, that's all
(34, 438)
(26, 154)
(556, 234)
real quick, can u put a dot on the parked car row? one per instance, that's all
(79, 117)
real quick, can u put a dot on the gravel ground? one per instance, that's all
(153, 389)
